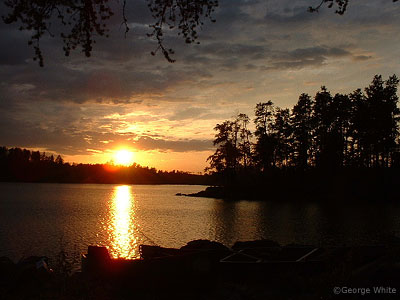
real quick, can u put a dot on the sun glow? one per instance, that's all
(124, 157)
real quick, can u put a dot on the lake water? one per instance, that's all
(36, 219)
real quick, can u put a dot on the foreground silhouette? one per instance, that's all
(81, 22)
(204, 269)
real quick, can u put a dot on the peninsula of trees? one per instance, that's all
(323, 144)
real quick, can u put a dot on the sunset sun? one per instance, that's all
(124, 157)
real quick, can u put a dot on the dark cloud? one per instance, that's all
(230, 17)
(362, 57)
(229, 50)
(305, 57)
(29, 134)
(62, 129)
(289, 16)
(225, 56)
(65, 131)
(13, 48)
(307, 53)
(40, 107)
(370, 14)
(116, 85)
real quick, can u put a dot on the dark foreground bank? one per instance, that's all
(209, 270)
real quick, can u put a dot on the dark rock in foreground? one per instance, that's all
(250, 270)
(205, 269)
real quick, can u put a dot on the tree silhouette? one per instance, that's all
(356, 128)
(341, 110)
(341, 5)
(23, 165)
(233, 153)
(83, 20)
(383, 116)
(282, 131)
(302, 131)
(359, 130)
(187, 15)
(323, 117)
(266, 141)
(244, 145)
(224, 160)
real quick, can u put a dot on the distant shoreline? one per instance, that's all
(22, 165)
(107, 183)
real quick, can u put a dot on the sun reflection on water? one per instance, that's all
(121, 227)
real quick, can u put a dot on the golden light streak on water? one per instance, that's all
(121, 228)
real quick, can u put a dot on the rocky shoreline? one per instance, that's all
(343, 185)
(208, 270)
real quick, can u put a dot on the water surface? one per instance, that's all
(39, 219)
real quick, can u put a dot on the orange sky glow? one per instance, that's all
(122, 97)
(193, 162)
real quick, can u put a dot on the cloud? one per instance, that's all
(188, 113)
(60, 83)
(69, 130)
(122, 94)
(362, 57)
(149, 143)
(30, 135)
(305, 57)
(16, 55)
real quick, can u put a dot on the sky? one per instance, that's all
(122, 97)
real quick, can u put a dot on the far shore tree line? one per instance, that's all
(327, 132)
(22, 165)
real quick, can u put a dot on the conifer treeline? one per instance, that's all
(358, 130)
(23, 165)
